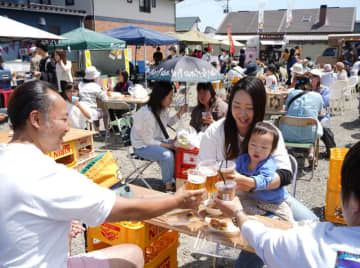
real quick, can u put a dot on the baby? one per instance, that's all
(258, 164)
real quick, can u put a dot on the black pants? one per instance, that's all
(328, 139)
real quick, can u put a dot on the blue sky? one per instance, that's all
(211, 11)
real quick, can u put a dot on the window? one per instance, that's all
(306, 19)
(153, 3)
(55, 29)
(330, 52)
(45, 2)
(145, 6)
(69, 2)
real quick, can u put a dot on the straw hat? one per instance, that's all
(91, 73)
(297, 68)
(316, 72)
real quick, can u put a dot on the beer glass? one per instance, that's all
(196, 180)
(209, 169)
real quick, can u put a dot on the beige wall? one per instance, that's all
(163, 13)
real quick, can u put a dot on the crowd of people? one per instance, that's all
(39, 207)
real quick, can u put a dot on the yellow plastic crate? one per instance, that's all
(66, 155)
(138, 233)
(167, 257)
(333, 211)
(337, 156)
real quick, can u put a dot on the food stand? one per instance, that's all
(77, 148)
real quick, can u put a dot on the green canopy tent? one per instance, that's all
(82, 38)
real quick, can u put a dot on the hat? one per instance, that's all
(316, 72)
(327, 68)
(32, 49)
(91, 73)
(297, 68)
(251, 69)
(172, 48)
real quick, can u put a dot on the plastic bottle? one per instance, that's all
(273, 85)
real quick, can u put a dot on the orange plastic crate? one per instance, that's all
(337, 156)
(167, 258)
(333, 211)
(185, 159)
(138, 233)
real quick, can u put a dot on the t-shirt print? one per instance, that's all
(347, 260)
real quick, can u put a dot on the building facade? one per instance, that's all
(103, 15)
(50, 18)
(309, 28)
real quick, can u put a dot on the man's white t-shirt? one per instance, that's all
(311, 246)
(39, 199)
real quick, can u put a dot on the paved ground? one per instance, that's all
(310, 192)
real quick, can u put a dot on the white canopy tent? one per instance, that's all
(12, 30)
(226, 42)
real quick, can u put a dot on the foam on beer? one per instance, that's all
(208, 171)
(196, 179)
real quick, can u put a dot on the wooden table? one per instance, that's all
(193, 228)
(129, 99)
(77, 148)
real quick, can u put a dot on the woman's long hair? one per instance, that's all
(209, 87)
(159, 92)
(62, 55)
(255, 88)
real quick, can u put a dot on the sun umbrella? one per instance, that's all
(185, 69)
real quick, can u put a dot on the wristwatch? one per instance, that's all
(234, 218)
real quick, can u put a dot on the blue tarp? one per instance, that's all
(135, 35)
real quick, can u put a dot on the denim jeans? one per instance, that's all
(164, 157)
(300, 212)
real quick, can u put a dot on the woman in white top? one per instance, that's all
(149, 139)
(63, 69)
(89, 92)
(224, 138)
(78, 113)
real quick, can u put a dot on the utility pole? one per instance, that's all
(226, 5)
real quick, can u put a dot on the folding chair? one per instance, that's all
(294, 167)
(303, 122)
(124, 125)
(337, 100)
(350, 91)
(116, 106)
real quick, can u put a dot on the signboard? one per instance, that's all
(271, 36)
(87, 58)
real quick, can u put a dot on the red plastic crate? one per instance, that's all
(185, 159)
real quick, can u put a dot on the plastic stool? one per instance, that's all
(6, 94)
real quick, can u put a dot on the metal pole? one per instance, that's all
(145, 64)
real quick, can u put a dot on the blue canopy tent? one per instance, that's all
(135, 35)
